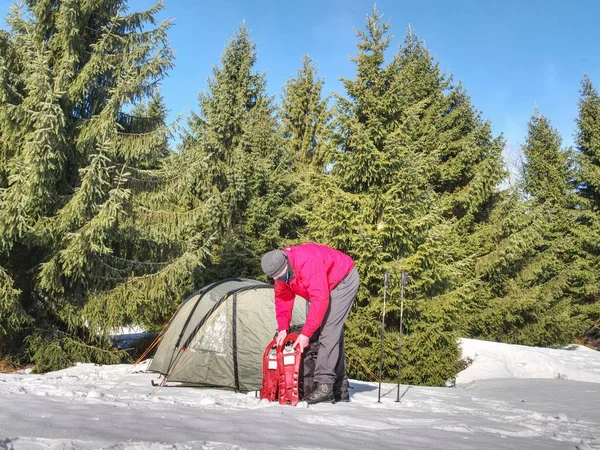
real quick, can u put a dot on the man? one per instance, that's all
(327, 278)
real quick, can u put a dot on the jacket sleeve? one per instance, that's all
(318, 291)
(284, 305)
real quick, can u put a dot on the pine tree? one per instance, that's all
(587, 142)
(305, 115)
(463, 173)
(305, 125)
(546, 167)
(533, 277)
(414, 175)
(72, 246)
(236, 143)
(346, 210)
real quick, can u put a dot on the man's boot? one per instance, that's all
(340, 390)
(322, 393)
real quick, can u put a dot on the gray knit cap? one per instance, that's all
(273, 262)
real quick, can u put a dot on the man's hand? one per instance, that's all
(281, 337)
(301, 341)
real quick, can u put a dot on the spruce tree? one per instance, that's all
(415, 173)
(239, 158)
(587, 141)
(305, 115)
(305, 126)
(546, 168)
(72, 245)
(533, 276)
(588, 144)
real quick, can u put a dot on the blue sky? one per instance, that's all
(510, 55)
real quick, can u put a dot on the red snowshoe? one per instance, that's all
(270, 380)
(289, 360)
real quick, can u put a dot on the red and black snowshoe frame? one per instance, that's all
(281, 371)
(270, 379)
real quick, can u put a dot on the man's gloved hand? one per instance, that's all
(281, 337)
(302, 341)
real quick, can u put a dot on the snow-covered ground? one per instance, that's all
(496, 360)
(511, 397)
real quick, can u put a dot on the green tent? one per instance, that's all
(218, 335)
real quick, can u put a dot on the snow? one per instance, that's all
(511, 397)
(497, 360)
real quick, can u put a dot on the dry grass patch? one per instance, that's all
(8, 367)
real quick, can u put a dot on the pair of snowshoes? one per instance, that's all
(288, 374)
(281, 372)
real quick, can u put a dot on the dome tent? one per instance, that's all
(218, 335)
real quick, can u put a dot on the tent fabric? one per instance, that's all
(218, 335)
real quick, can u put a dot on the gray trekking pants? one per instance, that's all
(331, 358)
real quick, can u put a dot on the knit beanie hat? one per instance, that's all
(273, 262)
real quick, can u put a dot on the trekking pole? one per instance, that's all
(402, 283)
(386, 277)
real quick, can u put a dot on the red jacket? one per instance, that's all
(317, 270)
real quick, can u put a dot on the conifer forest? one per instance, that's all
(111, 216)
